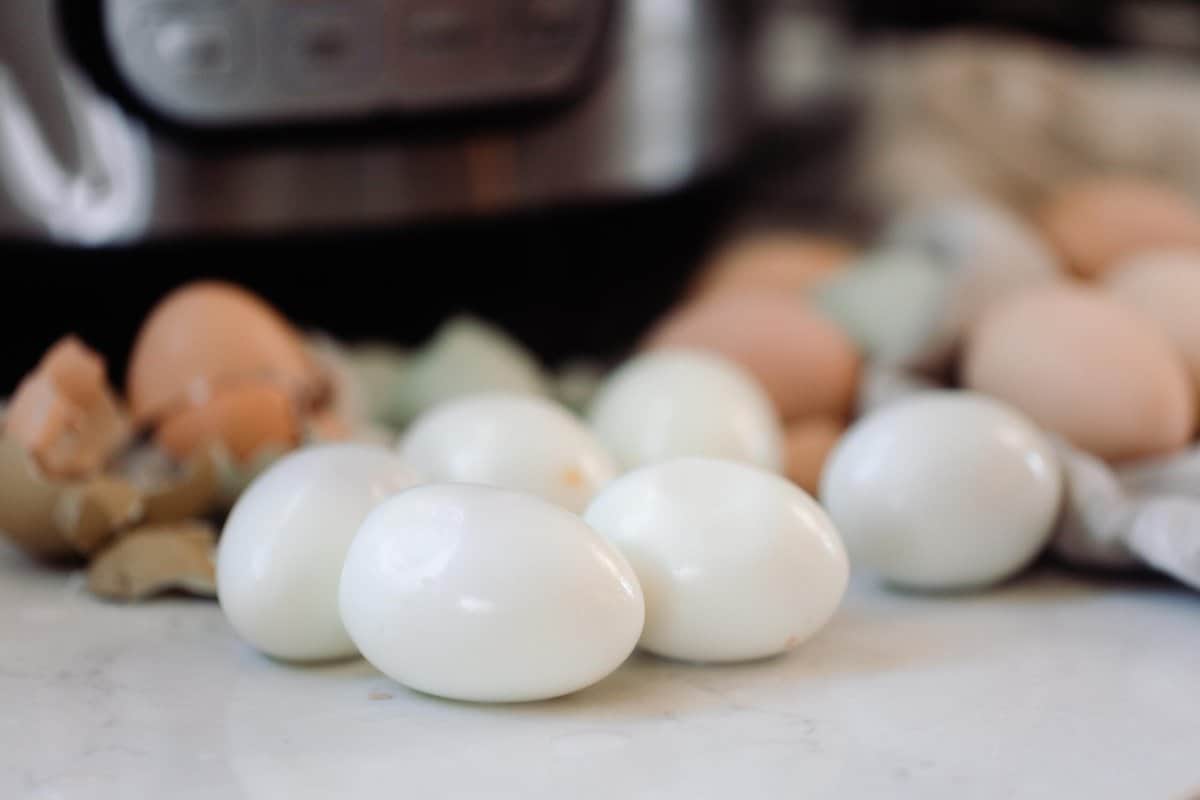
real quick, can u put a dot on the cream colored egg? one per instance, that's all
(1165, 287)
(1081, 364)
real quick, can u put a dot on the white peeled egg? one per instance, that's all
(671, 403)
(280, 556)
(511, 441)
(476, 593)
(736, 563)
(943, 490)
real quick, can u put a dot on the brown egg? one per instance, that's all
(782, 261)
(207, 334)
(246, 419)
(804, 361)
(807, 444)
(1097, 222)
(1165, 286)
(65, 415)
(1083, 365)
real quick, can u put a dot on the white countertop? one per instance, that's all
(1052, 687)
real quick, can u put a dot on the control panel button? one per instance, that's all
(195, 48)
(328, 46)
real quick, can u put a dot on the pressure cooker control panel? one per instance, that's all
(235, 62)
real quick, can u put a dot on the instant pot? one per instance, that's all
(123, 121)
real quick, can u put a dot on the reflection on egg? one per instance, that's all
(803, 360)
(511, 441)
(1082, 365)
(280, 555)
(477, 593)
(206, 334)
(945, 490)
(1164, 286)
(786, 262)
(1097, 222)
(736, 563)
(669, 403)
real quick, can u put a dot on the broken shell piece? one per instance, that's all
(245, 418)
(233, 476)
(64, 413)
(467, 356)
(58, 519)
(170, 490)
(155, 559)
(207, 335)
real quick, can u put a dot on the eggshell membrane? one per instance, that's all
(780, 261)
(245, 419)
(804, 361)
(1081, 364)
(1165, 287)
(65, 415)
(1097, 222)
(807, 444)
(209, 333)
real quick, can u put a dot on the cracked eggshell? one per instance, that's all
(282, 548)
(245, 419)
(208, 334)
(807, 365)
(670, 403)
(510, 441)
(736, 563)
(150, 560)
(65, 414)
(466, 356)
(55, 519)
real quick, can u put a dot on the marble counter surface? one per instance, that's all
(1052, 687)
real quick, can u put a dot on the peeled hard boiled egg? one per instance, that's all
(672, 402)
(944, 490)
(280, 555)
(511, 441)
(477, 593)
(736, 563)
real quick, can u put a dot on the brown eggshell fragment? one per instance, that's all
(805, 362)
(55, 519)
(807, 444)
(782, 261)
(64, 413)
(244, 419)
(1164, 286)
(155, 559)
(1083, 365)
(1096, 222)
(209, 334)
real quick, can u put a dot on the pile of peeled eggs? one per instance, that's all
(975, 388)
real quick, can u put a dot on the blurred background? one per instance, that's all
(560, 167)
